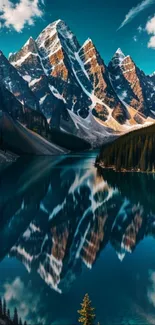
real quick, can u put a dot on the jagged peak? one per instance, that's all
(117, 58)
(29, 44)
(1, 53)
(61, 32)
(57, 22)
(119, 52)
(30, 40)
(56, 25)
(11, 54)
(152, 74)
(89, 40)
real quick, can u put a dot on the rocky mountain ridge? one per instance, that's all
(68, 82)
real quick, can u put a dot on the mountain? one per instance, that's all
(25, 131)
(107, 102)
(70, 89)
(67, 77)
(16, 121)
(133, 87)
(48, 100)
(132, 152)
(54, 66)
(20, 140)
(13, 81)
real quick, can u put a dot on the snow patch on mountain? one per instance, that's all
(27, 78)
(56, 93)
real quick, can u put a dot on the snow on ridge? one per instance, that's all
(27, 78)
(118, 58)
(42, 99)
(152, 74)
(20, 61)
(56, 93)
(34, 81)
(56, 22)
(123, 95)
(81, 64)
(62, 34)
(91, 95)
(86, 42)
(10, 54)
(28, 42)
(119, 52)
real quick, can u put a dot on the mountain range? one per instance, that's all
(63, 85)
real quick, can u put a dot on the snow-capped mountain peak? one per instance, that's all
(152, 74)
(118, 58)
(60, 72)
(57, 33)
(29, 41)
(119, 52)
(88, 41)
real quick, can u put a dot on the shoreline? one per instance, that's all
(100, 165)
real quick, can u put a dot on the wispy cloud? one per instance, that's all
(17, 15)
(133, 12)
(135, 38)
(140, 29)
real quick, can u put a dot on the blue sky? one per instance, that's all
(129, 25)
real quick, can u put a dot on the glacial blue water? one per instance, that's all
(67, 229)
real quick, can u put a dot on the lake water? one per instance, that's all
(67, 229)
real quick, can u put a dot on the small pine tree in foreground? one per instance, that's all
(86, 312)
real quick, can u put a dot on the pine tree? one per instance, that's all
(20, 322)
(15, 317)
(4, 307)
(87, 315)
(8, 314)
(1, 308)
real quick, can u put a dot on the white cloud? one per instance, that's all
(135, 38)
(18, 295)
(151, 43)
(140, 29)
(19, 14)
(133, 12)
(151, 290)
(150, 29)
(150, 26)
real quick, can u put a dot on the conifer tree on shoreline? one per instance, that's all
(87, 315)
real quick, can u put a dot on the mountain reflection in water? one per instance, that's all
(56, 216)
(67, 228)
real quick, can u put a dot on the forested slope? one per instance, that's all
(133, 151)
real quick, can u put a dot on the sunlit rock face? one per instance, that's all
(102, 88)
(58, 71)
(133, 87)
(56, 67)
(51, 67)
